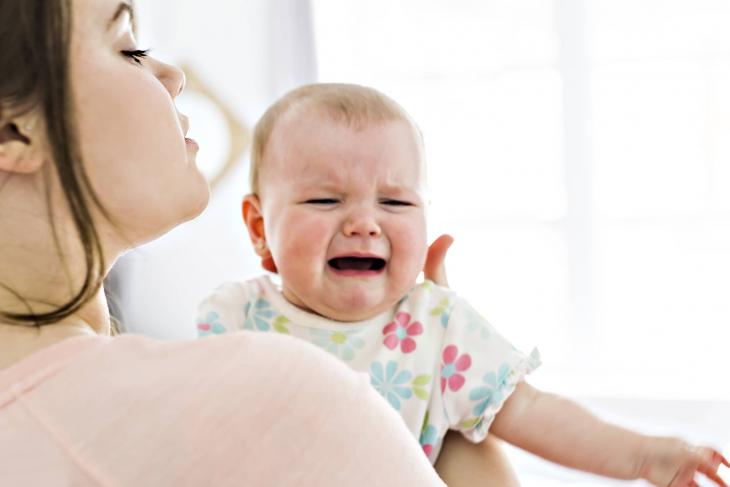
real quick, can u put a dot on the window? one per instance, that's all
(580, 153)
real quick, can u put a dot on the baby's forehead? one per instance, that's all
(309, 113)
(303, 123)
(316, 148)
(325, 137)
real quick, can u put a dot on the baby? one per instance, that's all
(338, 210)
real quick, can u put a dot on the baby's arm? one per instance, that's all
(561, 431)
(462, 463)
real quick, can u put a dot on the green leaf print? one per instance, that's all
(279, 323)
(418, 386)
(442, 309)
(470, 423)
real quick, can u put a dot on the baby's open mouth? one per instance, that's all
(357, 263)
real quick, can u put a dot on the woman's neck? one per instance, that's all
(19, 341)
(42, 267)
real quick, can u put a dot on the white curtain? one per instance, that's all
(579, 150)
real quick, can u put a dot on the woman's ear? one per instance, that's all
(254, 220)
(23, 147)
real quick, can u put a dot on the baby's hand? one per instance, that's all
(671, 462)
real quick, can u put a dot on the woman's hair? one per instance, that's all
(350, 104)
(35, 36)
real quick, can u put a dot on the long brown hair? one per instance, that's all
(35, 36)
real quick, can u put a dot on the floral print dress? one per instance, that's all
(432, 357)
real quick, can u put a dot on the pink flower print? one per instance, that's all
(400, 330)
(453, 364)
(210, 325)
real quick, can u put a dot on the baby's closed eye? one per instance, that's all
(392, 202)
(321, 201)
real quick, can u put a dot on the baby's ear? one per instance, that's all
(254, 220)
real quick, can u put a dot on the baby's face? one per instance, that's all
(344, 214)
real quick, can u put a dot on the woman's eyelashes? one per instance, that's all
(136, 55)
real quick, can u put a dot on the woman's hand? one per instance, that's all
(434, 268)
(670, 462)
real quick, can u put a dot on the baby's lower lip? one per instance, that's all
(355, 272)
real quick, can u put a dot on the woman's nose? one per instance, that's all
(361, 225)
(171, 77)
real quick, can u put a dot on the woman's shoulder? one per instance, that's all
(143, 367)
(228, 409)
(230, 352)
(250, 400)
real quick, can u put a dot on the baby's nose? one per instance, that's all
(361, 225)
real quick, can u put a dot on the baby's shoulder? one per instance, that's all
(240, 291)
(429, 296)
(227, 307)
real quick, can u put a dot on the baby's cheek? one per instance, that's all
(409, 248)
(301, 238)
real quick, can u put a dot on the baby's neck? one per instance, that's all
(340, 315)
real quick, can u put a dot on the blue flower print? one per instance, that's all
(428, 439)
(341, 344)
(429, 435)
(210, 325)
(493, 392)
(390, 383)
(256, 318)
(476, 323)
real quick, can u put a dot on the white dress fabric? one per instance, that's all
(432, 357)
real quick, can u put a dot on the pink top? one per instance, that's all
(239, 409)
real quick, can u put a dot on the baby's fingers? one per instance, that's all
(711, 461)
(716, 478)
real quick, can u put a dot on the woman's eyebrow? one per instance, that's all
(123, 7)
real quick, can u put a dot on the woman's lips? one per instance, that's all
(191, 143)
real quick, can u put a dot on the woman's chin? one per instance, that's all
(200, 203)
(149, 227)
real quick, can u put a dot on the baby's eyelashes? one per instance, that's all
(321, 201)
(390, 202)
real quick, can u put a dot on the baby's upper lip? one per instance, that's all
(362, 255)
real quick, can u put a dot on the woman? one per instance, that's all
(94, 161)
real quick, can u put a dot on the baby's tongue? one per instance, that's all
(358, 264)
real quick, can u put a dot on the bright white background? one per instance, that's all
(579, 151)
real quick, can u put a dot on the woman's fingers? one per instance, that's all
(434, 268)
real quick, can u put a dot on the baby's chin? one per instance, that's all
(350, 317)
(354, 308)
